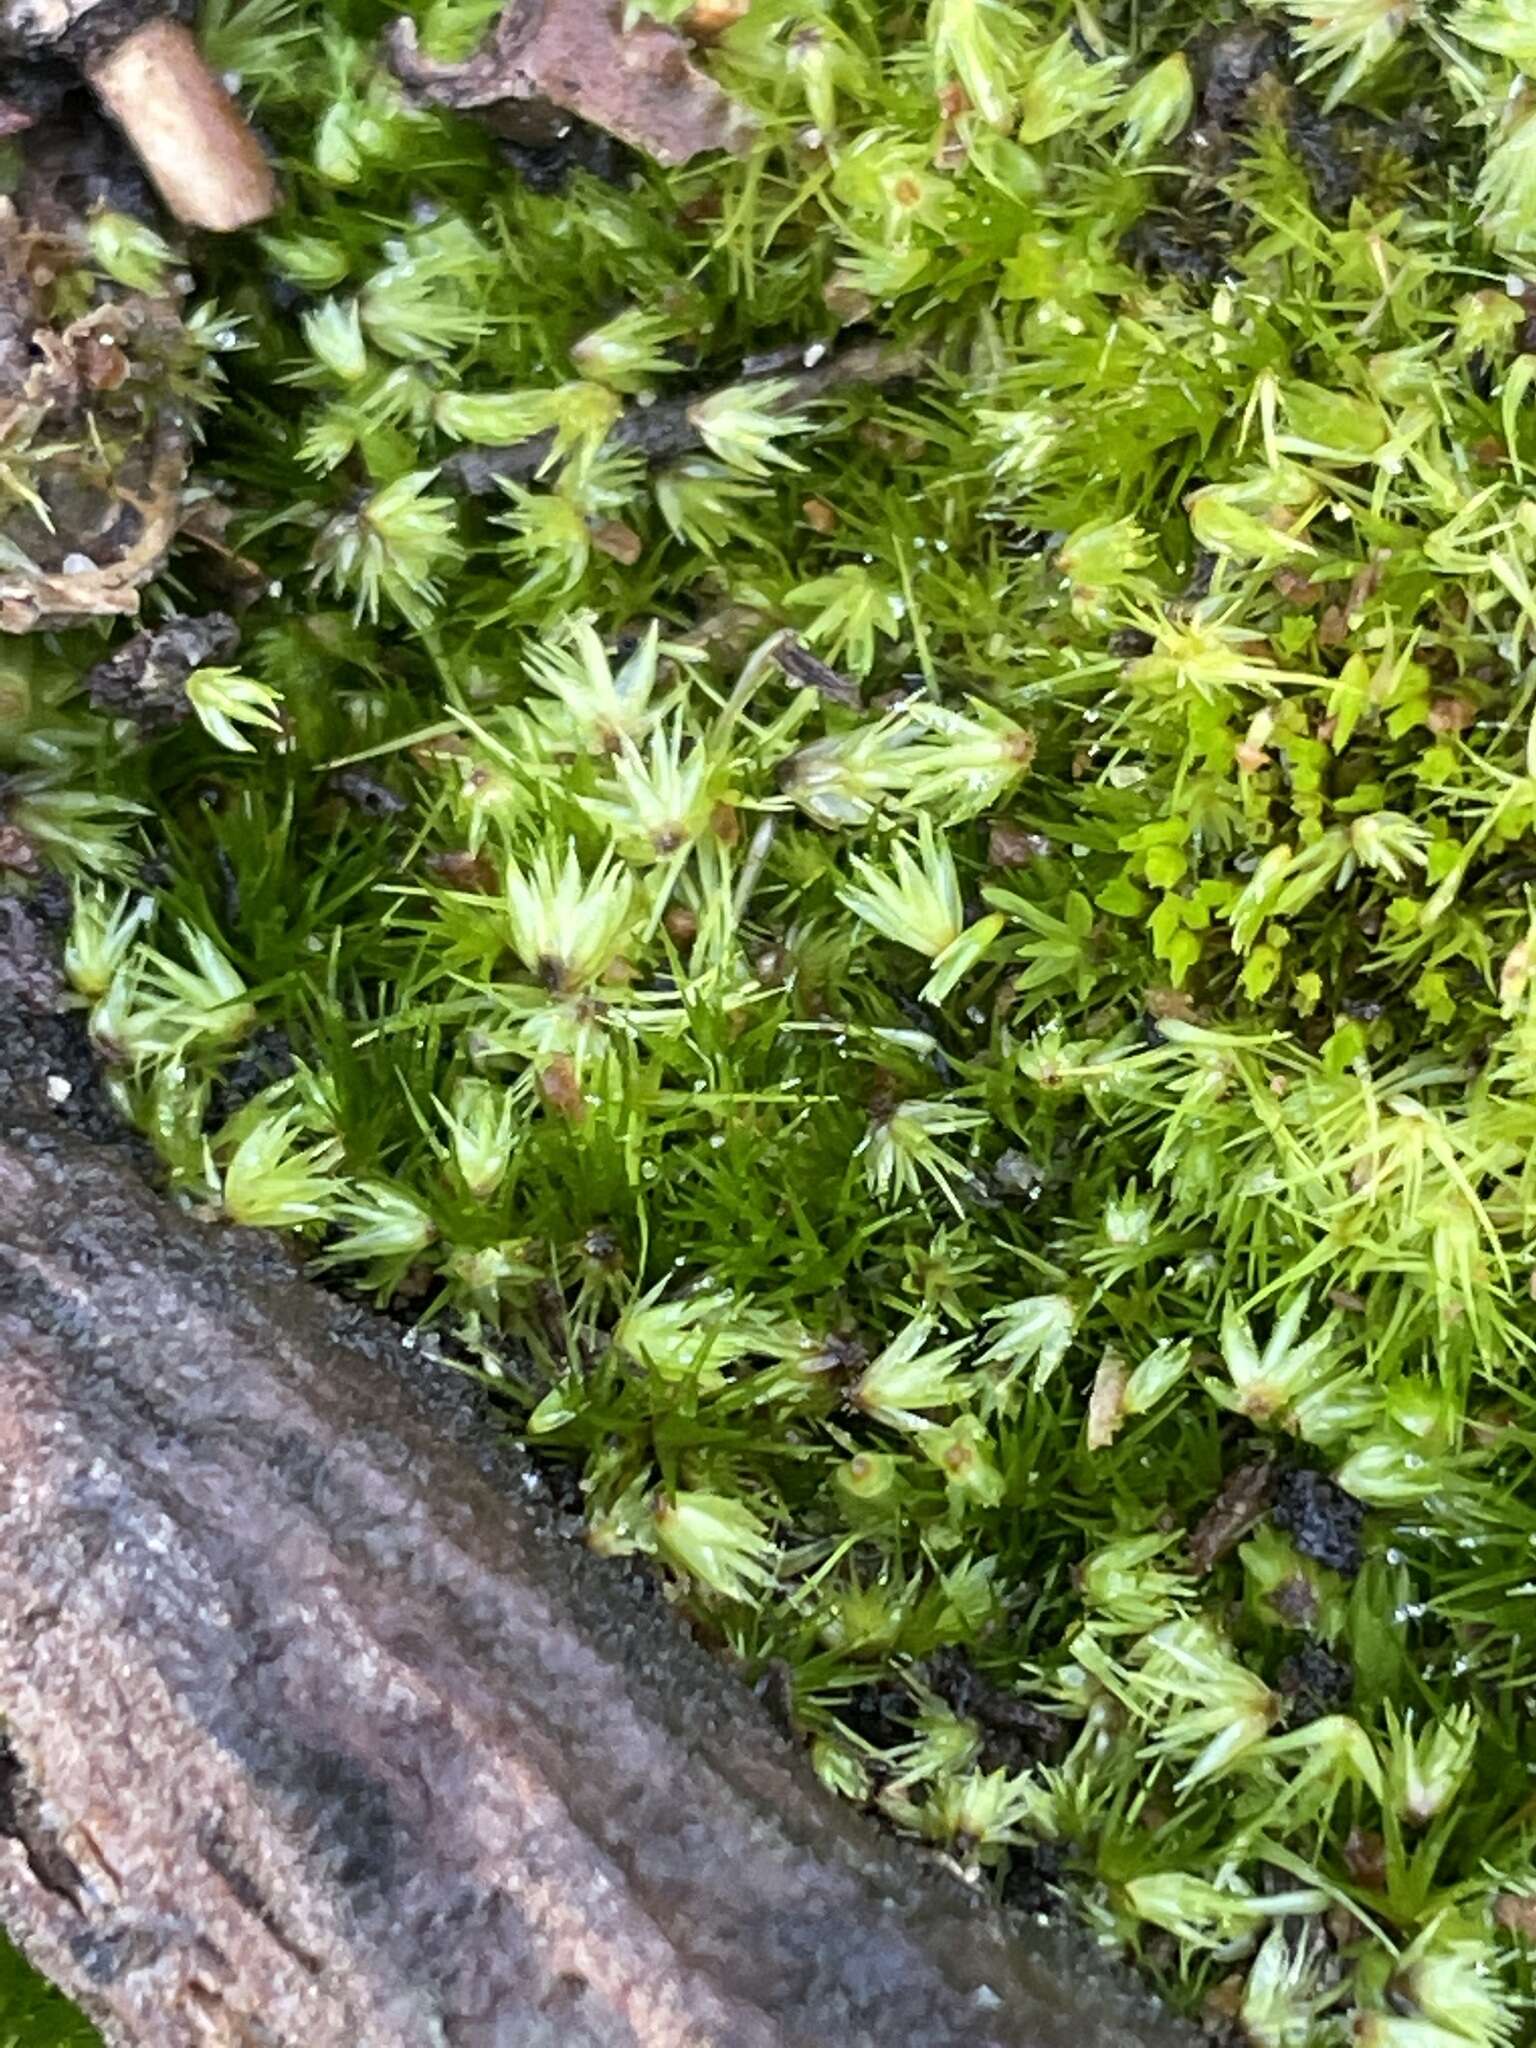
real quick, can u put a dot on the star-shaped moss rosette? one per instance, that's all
(930, 972)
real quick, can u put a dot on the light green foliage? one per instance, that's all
(224, 701)
(911, 1158)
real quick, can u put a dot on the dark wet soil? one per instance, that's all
(1321, 1519)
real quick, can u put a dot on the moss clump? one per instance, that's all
(935, 983)
(31, 2014)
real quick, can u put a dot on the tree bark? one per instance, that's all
(321, 1729)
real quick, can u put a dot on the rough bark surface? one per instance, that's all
(321, 1729)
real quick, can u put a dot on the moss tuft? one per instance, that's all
(928, 969)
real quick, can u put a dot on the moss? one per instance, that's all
(919, 1146)
(32, 2015)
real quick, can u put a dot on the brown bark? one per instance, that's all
(543, 57)
(321, 1730)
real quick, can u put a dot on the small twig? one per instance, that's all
(153, 80)
(801, 666)
(665, 430)
(190, 136)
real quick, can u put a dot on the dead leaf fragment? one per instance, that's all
(637, 83)
(1106, 1404)
(1242, 1502)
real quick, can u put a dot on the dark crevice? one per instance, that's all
(21, 1822)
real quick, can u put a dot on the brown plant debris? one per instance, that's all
(94, 443)
(544, 58)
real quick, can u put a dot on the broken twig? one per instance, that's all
(152, 79)
(666, 429)
(190, 136)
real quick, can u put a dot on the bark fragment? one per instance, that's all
(667, 429)
(812, 673)
(1240, 1506)
(542, 58)
(145, 679)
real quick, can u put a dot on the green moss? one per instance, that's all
(32, 2014)
(916, 1160)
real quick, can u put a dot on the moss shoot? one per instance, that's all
(872, 838)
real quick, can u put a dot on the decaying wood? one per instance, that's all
(542, 58)
(321, 1730)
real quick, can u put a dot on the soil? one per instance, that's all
(1317, 1682)
(145, 679)
(1033, 1880)
(1321, 1519)
(1245, 76)
(1015, 1734)
(265, 1059)
(547, 168)
(50, 1055)
(71, 158)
